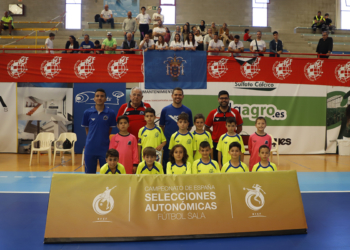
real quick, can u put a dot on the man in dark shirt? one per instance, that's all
(129, 44)
(325, 45)
(328, 24)
(276, 45)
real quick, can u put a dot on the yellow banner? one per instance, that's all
(135, 207)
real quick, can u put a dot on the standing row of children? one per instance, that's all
(191, 153)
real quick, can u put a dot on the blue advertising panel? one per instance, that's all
(120, 8)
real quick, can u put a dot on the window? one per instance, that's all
(345, 14)
(169, 11)
(260, 13)
(73, 14)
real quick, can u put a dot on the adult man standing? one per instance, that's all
(318, 22)
(106, 17)
(276, 45)
(168, 119)
(129, 26)
(157, 17)
(325, 45)
(207, 38)
(258, 45)
(159, 31)
(6, 23)
(98, 122)
(129, 44)
(236, 46)
(135, 111)
(217, 119)
(109, 45)
(144, 21)
(216, 45)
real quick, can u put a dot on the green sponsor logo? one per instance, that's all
(255, 110)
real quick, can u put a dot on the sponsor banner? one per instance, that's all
(154, 207)
(120, 8)
(70, 68)
(170, 69)
(8, 117)
(84, 98)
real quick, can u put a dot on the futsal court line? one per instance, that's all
(77, 168)
(300, 165)
(64, 162)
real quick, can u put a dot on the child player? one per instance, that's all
(205, 165)
(149, 165)
(183, 137)
(234, 165)
(126, 144)
(151, 135)
(225, 141)
(256, 140)
(200, 135)
(112, 166)
(264, 164)
(178, 163)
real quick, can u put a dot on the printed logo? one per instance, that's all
(282, 70)
(93, 119)
(84, 68)
(17, 68)
(250, 70)
(189, 141)
(259, 85)
(103, 203)
(141, 112)
(211, 171)
(217, 69)
(313, 71)
(156, 135)
(117, 69)
(255, 110)
(105, 118)
(3, 104)
(175, 66)
(258, 200)
(342, 72)
(50, 69)
(174, 117)
(87, 97)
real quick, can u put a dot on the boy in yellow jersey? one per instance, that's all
(205, 165)
(225, 141)
(112, 166)
(200, 135)
(234, 165)
(264, 164)
(150, 135)
(178, 163)
(184, 137)
(149, 165)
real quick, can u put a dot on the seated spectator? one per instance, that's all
(208, 37)
(129, 26)
(159, 31)
(98, 46)
(185, 31)
(318, 22)
(188, 25)
(276, 46)
(224, 34)
(49, 43)
(199, 39)
(236, 46)
(194, 29)
(213, 28)
(328, 24)
(177, 43)
(87, 44)
(325, 45)
(106, 17)
(161, 44)
(202, 28)
(129, 44)
(191, 43)
(109, 45)
(177, 31)
(167, 35)
(147, 43)
(7, 23)
(258, 45)
(216, 45)
(246, 36)
(71, 44)
(157, 17)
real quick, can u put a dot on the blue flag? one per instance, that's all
(171, 69)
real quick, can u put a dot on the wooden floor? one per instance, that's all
(301, 163)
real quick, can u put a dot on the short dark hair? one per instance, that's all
(122, 117)
(150, 110)
(260, 118)
(319, 11)
(183, 116)
(97, 42)
(275, 32)
(236, 36)
(198, 116)
(263, 146)
(178, 88)
(143, 7)
(112, 153)
(101, 90)
(326, 14)
(235, 144)
(231, 120)
(171, 154)
(204, 144)
(149, 151)
(51, 34)
(216, 33)
(223, 92)
(259, 31)
(246, 30)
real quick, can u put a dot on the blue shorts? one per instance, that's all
(91, 162)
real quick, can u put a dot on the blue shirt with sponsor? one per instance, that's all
(97, 141)
(168, 118)
(89, 45)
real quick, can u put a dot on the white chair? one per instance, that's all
(275, 150)
(45, 140)
(72, 137)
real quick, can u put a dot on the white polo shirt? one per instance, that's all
(186, 45)
(198, 38)
(233, 45)
(219, 44)
(143, 18)
(155, 15)
(261, 45)
(158, 30)
(147, 45)
(161, 45)
(174, 44)
(106, 14)
(49, 44)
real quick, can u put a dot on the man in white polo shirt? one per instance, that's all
(144, 21)
(156, 17)
(258, 45)
(216, 45)
(106, 17)
(147, 44)
(159, 31)
(236, 46)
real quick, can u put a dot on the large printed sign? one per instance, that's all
(152, 207)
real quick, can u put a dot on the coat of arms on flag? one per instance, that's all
(174, 66)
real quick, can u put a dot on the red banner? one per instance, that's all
(129, 68)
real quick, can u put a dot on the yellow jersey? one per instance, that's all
(142, 168)
(229, 168)
(185, 140)
(205, 136)
(224, 145)
(259, 168)
(176, 169)
(106, 170)
(150, 137)
(199, 167)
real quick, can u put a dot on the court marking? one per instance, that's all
(300, 165)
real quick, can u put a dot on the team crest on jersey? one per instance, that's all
(313, 71)
(105, 118)
(50, 69)
(266, 142)
(177, 141)
(117, 69)
(217, 69)
(342, 72)
(189, 141)
(175, 66)
(142, 113)
(250, 70)
(93, 119)
(156, 134)
(129, 142)
(211, 171)
(17, 68)
(282, 70)
(84, 68)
